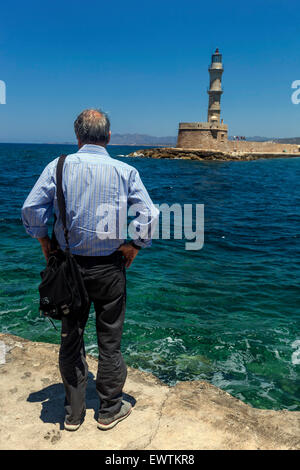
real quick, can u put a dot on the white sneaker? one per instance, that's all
(72, 427)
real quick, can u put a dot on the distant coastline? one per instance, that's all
(144, 140)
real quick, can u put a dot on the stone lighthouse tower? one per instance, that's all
(212, 134)
(215, 88)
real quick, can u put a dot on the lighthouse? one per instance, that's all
(212, 134)
(215, 88)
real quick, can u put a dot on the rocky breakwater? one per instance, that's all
(206, 155)
(190, 415)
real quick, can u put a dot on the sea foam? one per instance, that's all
(296, 354)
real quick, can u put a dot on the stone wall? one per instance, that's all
(201, 134)
(201, 138)
(245, 146)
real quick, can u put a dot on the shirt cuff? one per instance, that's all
(141, 243)
(37, 232)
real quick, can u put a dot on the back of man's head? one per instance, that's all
(92, 126)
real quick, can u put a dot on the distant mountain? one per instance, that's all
(142, 139)
(170, 141)
(255, 138)
(289, 140)
(286, 140)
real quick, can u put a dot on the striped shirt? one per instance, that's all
(98, 191)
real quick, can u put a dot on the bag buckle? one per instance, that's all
(65, 309)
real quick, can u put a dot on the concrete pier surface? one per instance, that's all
(190, 415)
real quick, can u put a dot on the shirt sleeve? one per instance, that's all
(37, 208)
(142, 228)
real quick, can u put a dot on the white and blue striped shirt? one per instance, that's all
(98, 191)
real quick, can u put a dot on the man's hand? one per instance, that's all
(129, 252)
(46, 246)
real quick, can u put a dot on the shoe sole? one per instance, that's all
(71, 427)
(105, 427)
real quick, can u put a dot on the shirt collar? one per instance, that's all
(91, 148)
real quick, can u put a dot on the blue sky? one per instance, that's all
(145, 63)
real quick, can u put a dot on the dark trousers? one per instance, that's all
(105, 281)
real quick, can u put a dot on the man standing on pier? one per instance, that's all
(93, 180)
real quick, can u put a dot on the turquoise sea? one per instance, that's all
(228, 313)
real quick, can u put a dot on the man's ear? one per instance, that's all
(79, 143)
(109, 136)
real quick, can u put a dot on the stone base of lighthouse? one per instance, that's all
(202, 135)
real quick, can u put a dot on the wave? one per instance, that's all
(3, 312)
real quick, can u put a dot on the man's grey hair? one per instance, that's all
(92, 127)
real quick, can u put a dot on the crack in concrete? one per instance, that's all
(159, 418)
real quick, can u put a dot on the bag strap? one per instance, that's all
(61, 198)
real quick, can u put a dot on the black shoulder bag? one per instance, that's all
(62, 291)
